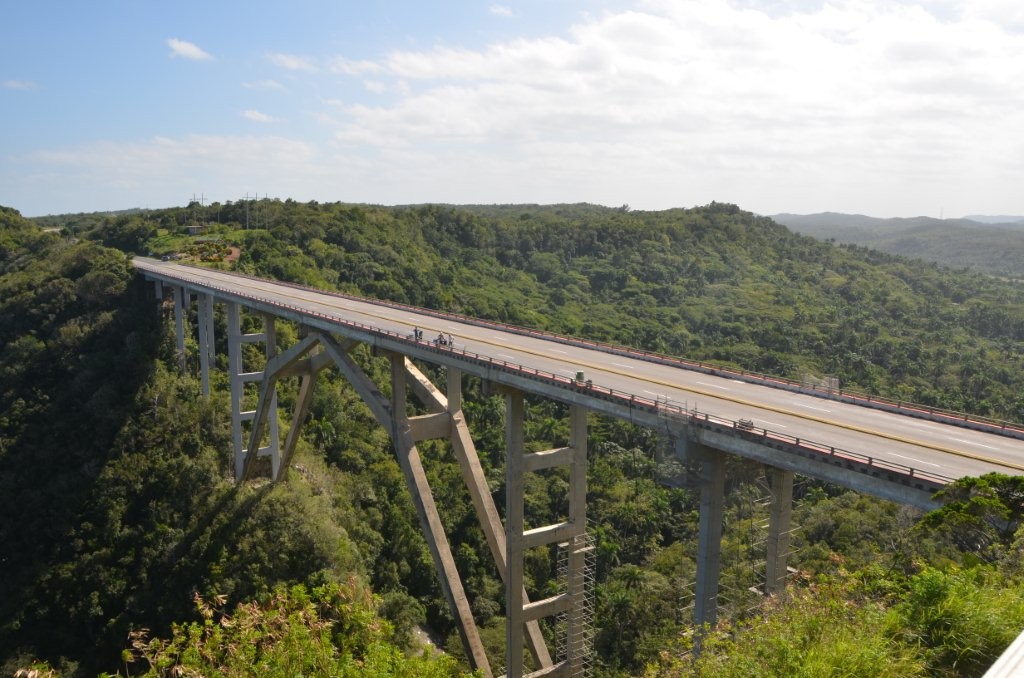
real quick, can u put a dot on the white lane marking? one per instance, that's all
(812, 407)
(628, 367)
(970, 442)
(915, 459)
(772, 424)
(718, 386)
(555, 350)
(507, 356)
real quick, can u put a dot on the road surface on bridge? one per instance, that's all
(929, 446)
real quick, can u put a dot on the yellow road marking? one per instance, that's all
(718, 395)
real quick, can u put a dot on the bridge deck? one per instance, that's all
(930, 448)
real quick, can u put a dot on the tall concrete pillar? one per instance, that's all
(206, 350)
(514, 525)
(181, 302)
(709, 541)
(273, 448)
(234, 332)
(780, 482)
(570, 536)
(577, 623)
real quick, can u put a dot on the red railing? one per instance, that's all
(851, 396)
(691, 415)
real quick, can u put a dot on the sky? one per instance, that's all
(888, 108)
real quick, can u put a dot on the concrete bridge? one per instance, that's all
(887, 449)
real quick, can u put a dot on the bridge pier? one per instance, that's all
(709, 538)
(206, 339)
(239, 378)
(780, 482)
(515, 486)
(181, 302)
(182, 297)
(569, 535)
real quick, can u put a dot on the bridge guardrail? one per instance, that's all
(851, 396)
(691, 415)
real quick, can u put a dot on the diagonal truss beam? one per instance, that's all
(392, 416)
(268, 387)
(416, 477)
(446, 420)
(476, 482)
(310, 368)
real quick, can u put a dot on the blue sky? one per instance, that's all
(880, 107)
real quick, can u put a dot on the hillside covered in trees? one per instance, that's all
(993, 245)
(125, 546)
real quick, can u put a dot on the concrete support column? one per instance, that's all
(206, 346)
(515, 472)
(577, 637)
(234, 331)
(780, 482)
(453, 388)
(181, 301)
(273, 449)
(709, 541)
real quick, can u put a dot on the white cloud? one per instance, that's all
(871, 106)
(164, 171)
(292, 62)
(841, 100)
(257, 116)
(264, 84)
(187, 50)
(19, 84)
(344, 66)
(501, 10)
(1008, 13)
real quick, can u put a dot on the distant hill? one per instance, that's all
(81, 220)
(1000, 219)
(994, 246)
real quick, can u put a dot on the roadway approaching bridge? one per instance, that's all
(890, 450)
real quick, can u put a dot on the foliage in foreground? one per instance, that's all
(113, 529)
(331, 630)
(934, 623)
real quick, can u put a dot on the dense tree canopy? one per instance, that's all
(119, 511)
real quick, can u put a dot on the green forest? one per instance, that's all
(126, 548)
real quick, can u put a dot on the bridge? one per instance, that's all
(892, 450)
